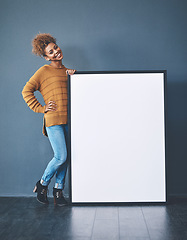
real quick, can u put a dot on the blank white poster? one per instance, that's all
(117, 137)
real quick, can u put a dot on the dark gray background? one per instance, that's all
(94, 35)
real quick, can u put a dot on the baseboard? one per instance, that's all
(173, 198)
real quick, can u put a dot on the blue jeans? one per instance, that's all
(58, 137)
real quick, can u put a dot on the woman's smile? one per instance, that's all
(58, 55)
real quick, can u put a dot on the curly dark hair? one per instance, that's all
(40, 42)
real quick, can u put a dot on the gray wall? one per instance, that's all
(94, 35)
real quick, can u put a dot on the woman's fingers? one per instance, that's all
(70, 71)
(50, 106)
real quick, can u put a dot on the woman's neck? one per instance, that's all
(56, 64)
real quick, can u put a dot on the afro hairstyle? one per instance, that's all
(40, 42)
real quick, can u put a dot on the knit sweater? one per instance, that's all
(52, 84)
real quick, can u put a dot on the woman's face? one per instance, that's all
(53, 52)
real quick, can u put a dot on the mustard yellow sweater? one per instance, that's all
(52, 84)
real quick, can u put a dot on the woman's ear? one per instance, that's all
(46, 58)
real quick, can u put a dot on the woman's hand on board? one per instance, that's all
(70, 71)
(50, 106)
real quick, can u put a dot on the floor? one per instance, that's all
(26, 219)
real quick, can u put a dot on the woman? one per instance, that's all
(51, 81)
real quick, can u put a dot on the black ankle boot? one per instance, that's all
(58, 197)
(41, 192)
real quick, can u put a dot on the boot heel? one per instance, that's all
(41, 193)
(35, 189)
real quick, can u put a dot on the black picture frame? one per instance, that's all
(69, 135)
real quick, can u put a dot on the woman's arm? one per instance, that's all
(28, 95)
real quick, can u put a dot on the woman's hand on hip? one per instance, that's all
(50, 106)
(70, 71)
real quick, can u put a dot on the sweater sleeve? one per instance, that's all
(28, 95)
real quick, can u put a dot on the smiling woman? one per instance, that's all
(51, 81)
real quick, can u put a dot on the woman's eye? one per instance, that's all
(55, 47)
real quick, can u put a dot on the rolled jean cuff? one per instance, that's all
(59, 185)
(44, 183)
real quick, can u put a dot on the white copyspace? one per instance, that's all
(117, 137)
